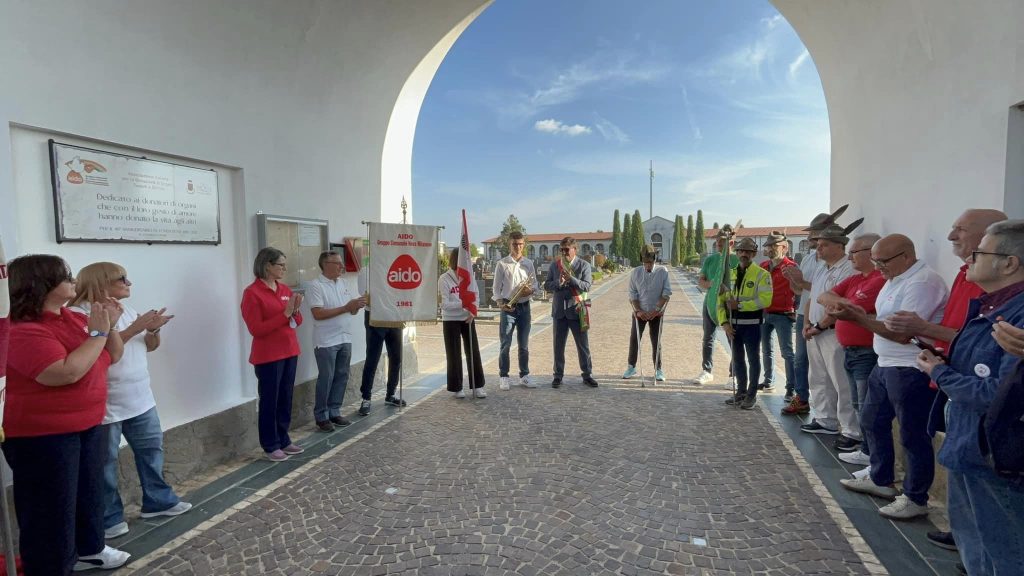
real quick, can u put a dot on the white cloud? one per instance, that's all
(694, 128)
(552, 126)
(610, 131)
(795, 65)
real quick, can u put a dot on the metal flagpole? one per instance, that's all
(651, 206)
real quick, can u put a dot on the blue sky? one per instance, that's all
(552, 111)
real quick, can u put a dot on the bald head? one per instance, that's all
(893, 255)
(970, 227)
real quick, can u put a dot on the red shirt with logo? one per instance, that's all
(273, 337)
(783, 297)
(33, 409)
(860, 290)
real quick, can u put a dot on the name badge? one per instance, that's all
(982, 371)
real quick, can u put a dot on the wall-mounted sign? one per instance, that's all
(106, 197)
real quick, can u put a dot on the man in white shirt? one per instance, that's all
(649, 291)
(831, 398)
(896, 388)
(512, 273)
(332, 303)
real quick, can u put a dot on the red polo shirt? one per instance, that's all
(960, 297)
(861, 290)
(33, 409)
(783, 298)
(263, 311)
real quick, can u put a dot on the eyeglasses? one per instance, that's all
(566, 250)
(852, 252)
(519, 243)
(336, 262)
(280, 265)
(123, 280)
(69, 278)
(885, 261)
(974, 255)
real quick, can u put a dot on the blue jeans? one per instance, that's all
(859, 362)
(276, 386)
(332, 363)
(782, 325)
(746, 342)
(903, 393)
(376, 339)
(800, 362)
(517, 320)
(58, 497)
(147, 443)
(986, 513)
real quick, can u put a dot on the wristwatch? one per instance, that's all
(95, 333)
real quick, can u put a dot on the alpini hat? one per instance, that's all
(822, 221)
(776, 237)
(725, 231)
(648, 252)
(836, 233)
(747, 244)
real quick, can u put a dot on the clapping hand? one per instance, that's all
(294, 302)
(99, 318)
(159, 319)
(1009, 337)
(905, 322)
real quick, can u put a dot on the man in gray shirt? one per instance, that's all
(649, 292)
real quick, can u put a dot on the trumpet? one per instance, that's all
(520, 293)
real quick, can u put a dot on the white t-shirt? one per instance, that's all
(326, 293)
(128, 389)
(919, 289)
(825, 278)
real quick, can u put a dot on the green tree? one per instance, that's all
(510, 225)
(698, 234)
(473, 250)
(688, 245)
(638, 237)
(677, 239)
(715, 227)
(627, 236)
(616, 246)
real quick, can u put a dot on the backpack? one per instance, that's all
(1001, 434)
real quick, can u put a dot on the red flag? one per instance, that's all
(468, 292)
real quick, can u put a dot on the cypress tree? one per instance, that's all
(638, 236)
(688, 245)
(616, 246)
(627, 236)
(677, 239)
(698, 234)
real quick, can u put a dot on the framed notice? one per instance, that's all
(108, 197)
(301, 239)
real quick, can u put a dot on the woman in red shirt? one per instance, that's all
(56, 396)
(271, 313)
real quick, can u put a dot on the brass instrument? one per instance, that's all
(519, 294)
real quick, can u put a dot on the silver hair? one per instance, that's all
(870, 236)
(1009, 237)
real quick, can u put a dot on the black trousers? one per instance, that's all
(376, 339)
(58, 494)
(276, 385)
(456, 331)
(635, 336)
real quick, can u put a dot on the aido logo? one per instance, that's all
(404, 273)
(77, 165)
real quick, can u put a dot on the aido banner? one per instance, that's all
(403, 273)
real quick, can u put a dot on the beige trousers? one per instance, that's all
(831, 397)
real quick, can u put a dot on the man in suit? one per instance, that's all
(568, 280)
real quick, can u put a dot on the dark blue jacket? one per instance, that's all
(976, 366)
(562, 303)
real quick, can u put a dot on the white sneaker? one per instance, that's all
(863, 472)
(481, 393)
(857, 457)
(527, 382)
(116, 530)
(108, 559)
(868, 486)
(460, 394)
(179, 508)
(903, 508)
(705, 377)
(504, 384)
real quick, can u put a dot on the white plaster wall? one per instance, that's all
(918, 94)
(296, 95)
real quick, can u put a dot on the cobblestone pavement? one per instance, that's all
(618, 479)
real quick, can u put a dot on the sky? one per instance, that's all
(553, 110)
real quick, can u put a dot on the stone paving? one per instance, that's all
(614, 480)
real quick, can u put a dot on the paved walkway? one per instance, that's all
(618, 479)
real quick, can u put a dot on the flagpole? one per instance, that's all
(9, 552)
